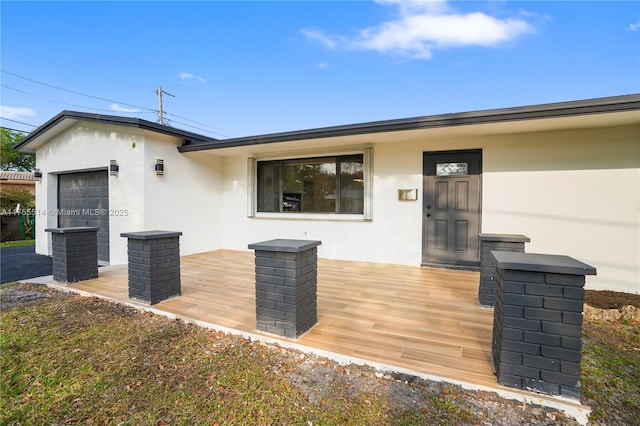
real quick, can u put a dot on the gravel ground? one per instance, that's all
(318, 377)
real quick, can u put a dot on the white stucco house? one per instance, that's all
(413, 191)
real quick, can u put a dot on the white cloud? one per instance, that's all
(322, 65)
(120, 108)
(423, 26)
(634, 27)
(16, 113)
(189, 76)
(410, 7)
(318, 35)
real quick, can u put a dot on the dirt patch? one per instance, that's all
(320, 379)
(17, 294)
(606, 305)
(607, 299)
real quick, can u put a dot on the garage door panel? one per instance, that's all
(83, 200)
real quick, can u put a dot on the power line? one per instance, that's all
(146, 110)
(196, 122)
(74, 105)
(19, 122)
(75, 69)
(14, 130)
(107, 110)
(74, 92)
(161, 113)
(194, 127)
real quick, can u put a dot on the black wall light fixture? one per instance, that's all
(37, 175)
(114, 168)
(159, 167)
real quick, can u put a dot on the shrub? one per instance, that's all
(11, 197)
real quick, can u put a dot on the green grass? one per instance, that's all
(68, 359)
(17, 243)
(86, 361)
(611, 371)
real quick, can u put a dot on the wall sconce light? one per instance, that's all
(407, 194)
(159, 167)
(37, 175)
(114, 168)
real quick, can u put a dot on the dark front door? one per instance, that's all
(451, 208)
(83, 200)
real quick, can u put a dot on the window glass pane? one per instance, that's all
(312, 185)
(351, 184)
(451, 169)
(309, 185)
(269, 186)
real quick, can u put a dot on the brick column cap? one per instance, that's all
(546, 263)
(507, 238)
(283, 245)
(71, 229)
(150, 235)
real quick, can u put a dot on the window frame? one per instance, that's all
(367, 164)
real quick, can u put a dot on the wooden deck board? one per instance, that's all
(423, 319)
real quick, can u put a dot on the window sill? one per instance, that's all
(329, 217)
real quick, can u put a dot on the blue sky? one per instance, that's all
(246, 68)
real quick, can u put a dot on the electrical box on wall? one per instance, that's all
(408, 194)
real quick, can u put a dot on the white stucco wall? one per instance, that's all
(186, 195)
(186, 198)
(87, 147)
(574, 193)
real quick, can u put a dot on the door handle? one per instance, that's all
(428, 214)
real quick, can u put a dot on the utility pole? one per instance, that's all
(159, 92)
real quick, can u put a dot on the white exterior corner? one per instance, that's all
(188, 192)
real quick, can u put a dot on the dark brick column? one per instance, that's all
(488, 271)
(154, 265)
(75, 253)
(286, 286)
(537, 322)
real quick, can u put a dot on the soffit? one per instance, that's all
(341, 143)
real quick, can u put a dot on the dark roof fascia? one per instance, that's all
(552, 110)
(187, 137)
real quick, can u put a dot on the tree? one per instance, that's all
(12, 160)
(11, 197)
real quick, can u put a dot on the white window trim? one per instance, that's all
(252, 182)
(252, 194)
(331, 217)
(368, 183)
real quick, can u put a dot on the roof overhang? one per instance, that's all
(591, 113)
(67, 119)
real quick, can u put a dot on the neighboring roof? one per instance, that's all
(16, 176)
(70, 116)
(551, 110)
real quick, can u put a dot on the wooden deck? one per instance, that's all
(422, 319)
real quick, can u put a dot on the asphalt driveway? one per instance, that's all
(19, 263)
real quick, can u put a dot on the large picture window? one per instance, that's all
(312, 185)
